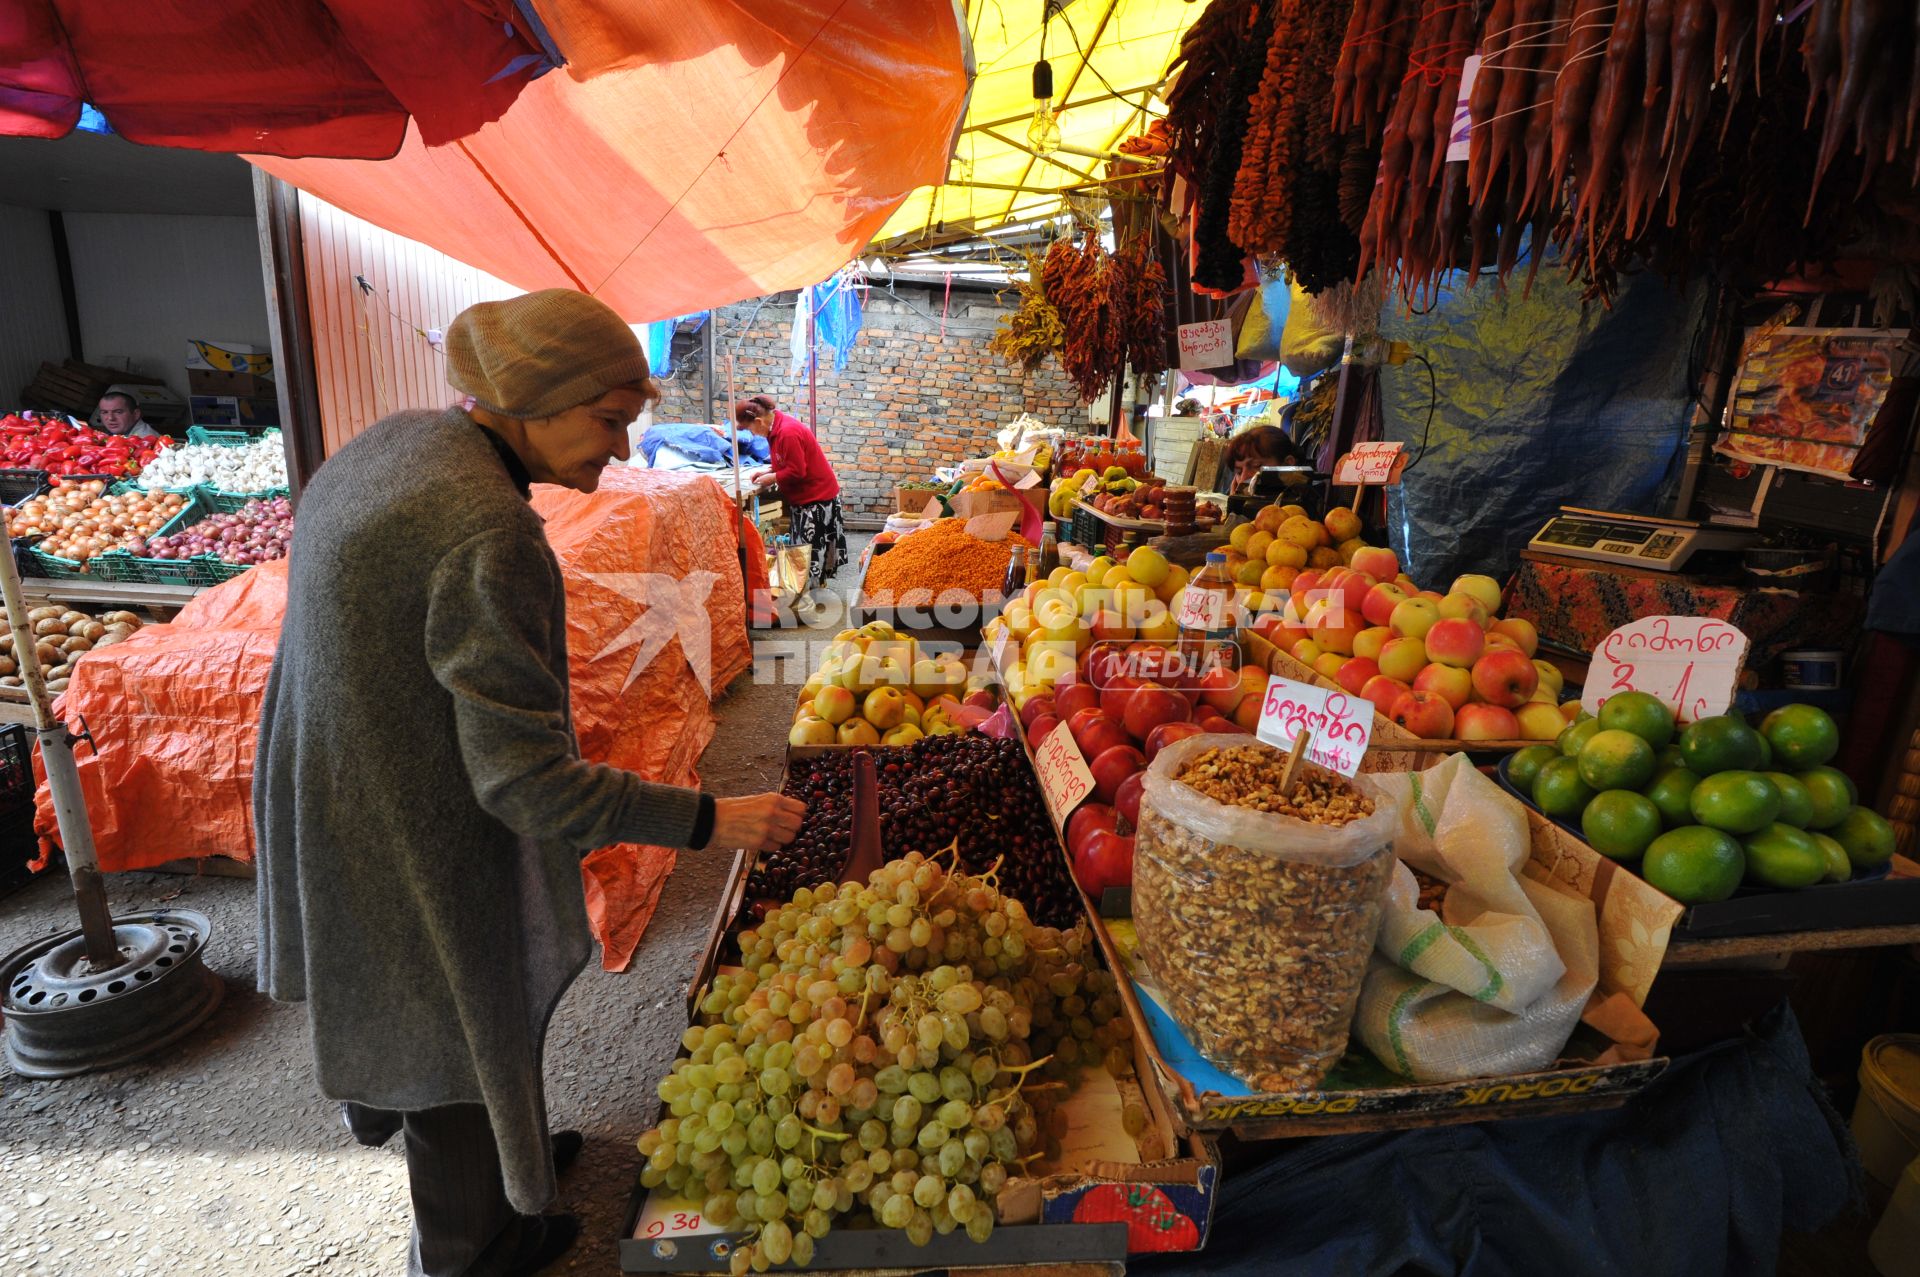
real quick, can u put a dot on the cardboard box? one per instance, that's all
(966, 505)
(233, 410)
(229, 368)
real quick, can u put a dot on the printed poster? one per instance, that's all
(1805, 397)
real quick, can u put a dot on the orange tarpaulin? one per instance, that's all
(656, 626)
(719, 150)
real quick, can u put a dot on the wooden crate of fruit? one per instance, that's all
(1390, 747)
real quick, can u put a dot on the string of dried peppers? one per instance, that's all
(1111, 307)
(1032, 332)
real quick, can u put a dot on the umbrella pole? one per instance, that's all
(63, 779)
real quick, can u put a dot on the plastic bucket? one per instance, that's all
(1886, 1117)
(1896, 1239)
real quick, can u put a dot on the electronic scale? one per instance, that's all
(1633, 540)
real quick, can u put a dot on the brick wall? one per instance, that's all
(908, 400)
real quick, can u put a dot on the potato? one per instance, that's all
(71, 618)
(91, 631)
(49, 654)
(43, 613)
(56, 685)
(76, 644)
(121, 618)
(12, 680)
(59, 671)
(50, 625)
(6, 665)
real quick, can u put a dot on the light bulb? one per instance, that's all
(1044, 131)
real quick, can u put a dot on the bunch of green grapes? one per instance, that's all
(892, 1051)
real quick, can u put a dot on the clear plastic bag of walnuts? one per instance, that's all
(1257, 910)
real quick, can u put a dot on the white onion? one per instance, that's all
(258, 466)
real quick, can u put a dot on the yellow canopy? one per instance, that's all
(1109, 59)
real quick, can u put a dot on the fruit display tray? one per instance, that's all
(1095, 1212)
(1872, 899)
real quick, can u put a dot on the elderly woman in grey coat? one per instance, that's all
(420, 801)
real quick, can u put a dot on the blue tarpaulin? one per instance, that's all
(701, 442)
(1539, 401)
(838, 312)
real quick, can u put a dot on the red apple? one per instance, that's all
(1456, 641)
(1380, 602)
(1086, 819)
(1304, 584)
(1377, 562)
(1353, 589)
(1522, 632)
(1220, 689)
(1424, 714)
(1099, 735)
(980, 698)
(1383, 691)
(1353, 675)
(1167, 733)
(1126, 800)
(1505, 677)
(1117, 690)
(1113, 765)
(1105, 861)
(1475, 721)
(1040, 728)
(1151, 705)
(1451, 683)
(1068, 701)
(1035, 707)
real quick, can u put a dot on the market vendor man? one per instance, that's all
(420, 802)
(119, 414)
(808, 487)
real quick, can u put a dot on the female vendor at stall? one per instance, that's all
(1252, 450)
(808, 486)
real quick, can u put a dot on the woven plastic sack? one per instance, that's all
(1494, 983)
(1257, 926)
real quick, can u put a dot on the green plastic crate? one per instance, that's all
(229, 502)
(101, 567)
(193, 572)
(224, 438)
(224, 571)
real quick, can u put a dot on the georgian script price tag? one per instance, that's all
(1690, 662)
(1368, 464)
(1338, 725)
(1063, 773)
(1207, 344)
(992, 527)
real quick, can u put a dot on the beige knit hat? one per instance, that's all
(541, 353)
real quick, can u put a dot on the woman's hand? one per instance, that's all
(761, 822)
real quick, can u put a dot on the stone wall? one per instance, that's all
(909, 399)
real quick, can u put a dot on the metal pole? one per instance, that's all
(813, 365)
(63, 779)
(706, 353)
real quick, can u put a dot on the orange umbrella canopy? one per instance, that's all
(692, 154)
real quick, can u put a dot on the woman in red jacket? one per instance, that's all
(808, 485)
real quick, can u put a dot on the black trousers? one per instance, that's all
(463, 1225)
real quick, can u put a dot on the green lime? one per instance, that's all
(1526, 764)
(1867, 837)
(1739, 802)
(1802, 736)
(1558, 789)
(1669, 756)
(1620, 823)
(1766, 755)
(1614, 759)
(1839, 867)
(1694, 865)
(1570, 742)
(1672, 791)
(1782, 856)
(1641, 713)
(1796, 804)
(1832, 794)
(1721, 744)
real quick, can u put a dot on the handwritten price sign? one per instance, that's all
(1338, 726)
(1064, 777)
(1690, 662)
(1208, 344)
(669, 1216)
(1369, 463)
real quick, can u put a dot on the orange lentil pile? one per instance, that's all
(941, 559)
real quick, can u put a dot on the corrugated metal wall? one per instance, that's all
(371, 352)
(32, 326)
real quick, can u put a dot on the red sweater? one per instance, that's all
(798, 464)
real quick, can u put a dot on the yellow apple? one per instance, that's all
(1368, 642)
(835, 704)
(884, 708)
(1483, 588)
(811, 731)
(1540, 720)
(857, 731)
(905, 734)
(1522, 632)
(1550, 676)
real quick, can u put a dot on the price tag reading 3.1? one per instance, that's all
(1692, 663)
(1338, 726)
(1064, 777)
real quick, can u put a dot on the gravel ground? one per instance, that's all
(221, 1156)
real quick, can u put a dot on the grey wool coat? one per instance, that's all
(419, 799)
